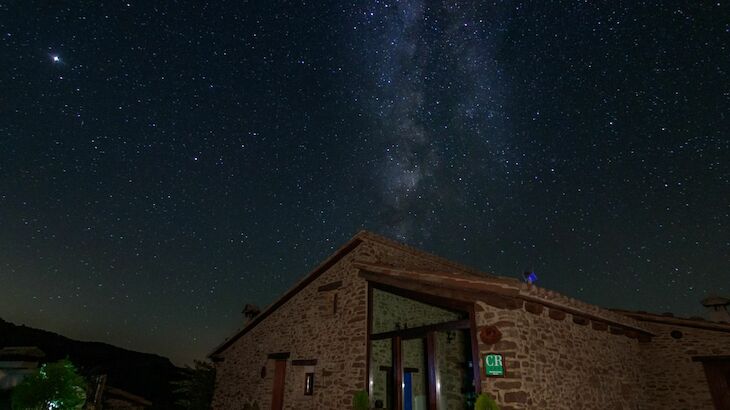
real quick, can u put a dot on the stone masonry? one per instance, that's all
(559, 364)
(306, 328)
(673, 379)
(559, 353)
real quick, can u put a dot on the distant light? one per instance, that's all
(56, 59)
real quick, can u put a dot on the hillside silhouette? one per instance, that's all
(144, 374)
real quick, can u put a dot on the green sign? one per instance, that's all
(493, 364)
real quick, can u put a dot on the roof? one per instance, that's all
(670, 319)
(340, 253)
(454, 276)
(476, 287)
(715, 301)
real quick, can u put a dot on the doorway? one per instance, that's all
(717, 370)
(277, 394)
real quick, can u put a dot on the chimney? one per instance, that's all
(250, 311)
(717, 308)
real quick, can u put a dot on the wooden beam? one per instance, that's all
(397, 373)
(710, 358)
(368, 348)
(434, 299)
(431, 365)
(403, 286)
(304, 362)
(330, 286)
(421, 331)
(475, 351)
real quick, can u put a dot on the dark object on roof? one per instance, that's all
(529, 277)
(250, 311)
(715, 301)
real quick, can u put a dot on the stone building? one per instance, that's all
(420, 332)
(18, 362)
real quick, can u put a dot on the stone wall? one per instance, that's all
(673, 379)
(553, 360)
(305, 327)
(555, 363)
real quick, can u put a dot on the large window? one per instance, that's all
(420, 355)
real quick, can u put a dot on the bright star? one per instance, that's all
(55, 59)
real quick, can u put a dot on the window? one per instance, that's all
(328, 304)
(308, 384)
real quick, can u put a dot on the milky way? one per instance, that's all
(163, 165)
(437, 103)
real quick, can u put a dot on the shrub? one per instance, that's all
(54, 386)
(195, 389)
(360, 401)
(485, 402)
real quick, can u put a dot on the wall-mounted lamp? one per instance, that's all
(308, 384)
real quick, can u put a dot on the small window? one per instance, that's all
(308, 384)
(328, 304)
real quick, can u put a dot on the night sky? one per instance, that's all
(164, 163)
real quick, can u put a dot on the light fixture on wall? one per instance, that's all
(308, 384)
(490, 335)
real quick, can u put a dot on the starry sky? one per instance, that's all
(164, 163)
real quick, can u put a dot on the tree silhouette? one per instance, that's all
(195, 390)
(54, 386)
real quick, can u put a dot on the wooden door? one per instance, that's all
(718, 377)
(277, 399)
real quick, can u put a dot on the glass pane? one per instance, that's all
(415, 375)
(455, 386)
(381, 366)
(392, 312)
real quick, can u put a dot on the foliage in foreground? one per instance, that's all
(195, 389)
(485, 402)
(54, 386)
(360, 400)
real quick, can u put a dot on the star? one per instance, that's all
(458, 130)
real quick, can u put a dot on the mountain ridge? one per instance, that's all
(144, 374)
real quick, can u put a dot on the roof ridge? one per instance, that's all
(669, 317)
(369, 235)
(310, 276)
